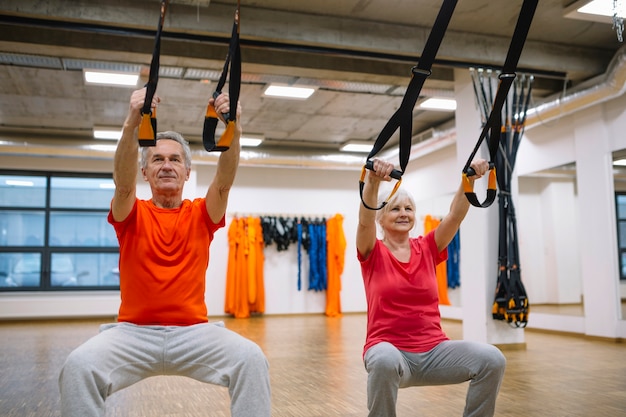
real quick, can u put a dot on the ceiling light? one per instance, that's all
(109, 133)
(286, 91)
(444, 104)
(602, 8)
(102, 148)
(356, 146)
(251, 140)
(112, 78)
(594, 11)
(620, 162)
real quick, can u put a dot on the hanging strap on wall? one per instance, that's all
(233, 60)
(403, 117)
(511, 302)
(493, 127)
(148, 125)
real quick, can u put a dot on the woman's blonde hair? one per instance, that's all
(401, 193)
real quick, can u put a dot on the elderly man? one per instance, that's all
(162, 326)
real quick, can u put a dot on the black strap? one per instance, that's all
(403, 117)
(233, 60)
(148, 125)
(511, 302)
(492, 128)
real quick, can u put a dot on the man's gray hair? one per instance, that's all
(175, 136)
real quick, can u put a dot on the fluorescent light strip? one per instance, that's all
(445, 104)
(107, 133)
(111, 78)
(356, 146)
(250, 141)
(285, 91)
(102, 148)
(603, 8)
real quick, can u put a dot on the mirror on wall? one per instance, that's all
(547, 220)
(619, 183)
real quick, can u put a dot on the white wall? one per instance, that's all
(574, 223)
(257, 191)
(566, 230)
(290, 192)
(546, 212)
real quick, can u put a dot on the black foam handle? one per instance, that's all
(470, 171)
(396, 174)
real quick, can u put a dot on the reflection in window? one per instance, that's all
(622, 234)
(81, 229)
(22, 228)
(90, 193)
(20, 270)
(84, 269)
(22, 191)
(620, 209)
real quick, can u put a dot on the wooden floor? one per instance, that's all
(316, 371)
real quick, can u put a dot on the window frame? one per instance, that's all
(46, 251)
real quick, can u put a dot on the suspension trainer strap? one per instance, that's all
(511, 301)
(233, 60)
(148, 124)
(492, 127)
(403, 117)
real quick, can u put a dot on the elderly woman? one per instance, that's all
(405, 345)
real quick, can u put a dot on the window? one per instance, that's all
(620, 202)
(54, 233)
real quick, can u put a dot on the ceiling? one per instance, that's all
(356, 53)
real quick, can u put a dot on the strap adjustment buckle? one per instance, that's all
(421, 72)
(506, 75)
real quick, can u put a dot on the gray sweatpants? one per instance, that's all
(123, 354)
(450, 362)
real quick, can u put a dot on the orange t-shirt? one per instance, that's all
(164, 254)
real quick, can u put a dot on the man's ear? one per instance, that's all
(188, 174)
(143, 172)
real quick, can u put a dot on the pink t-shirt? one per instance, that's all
(402, 298)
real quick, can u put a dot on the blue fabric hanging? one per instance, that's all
(454, 260)
(317, 256)
(322, 257)
(299, 256)
(313, 266)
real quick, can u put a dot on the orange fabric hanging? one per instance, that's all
(335, 259)
(231, 271)
(431, 223)
(244, 277)
(255, 265)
